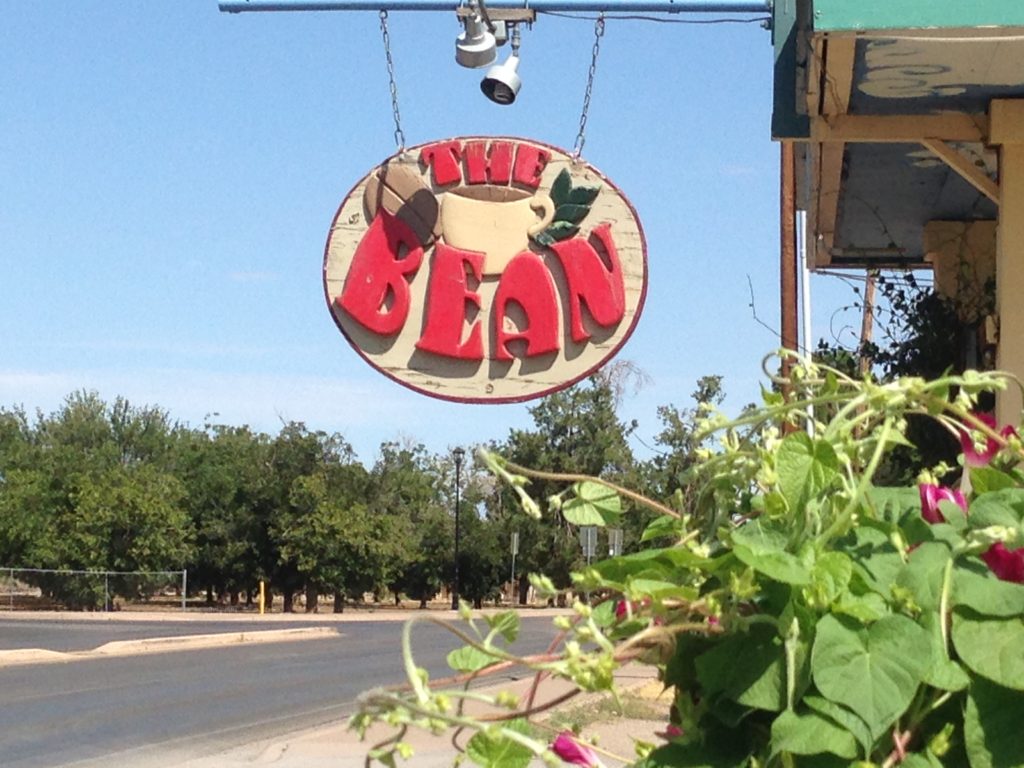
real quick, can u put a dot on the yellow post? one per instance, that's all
(263, 596)
(1007, 131)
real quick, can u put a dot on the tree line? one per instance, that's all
(99, 485)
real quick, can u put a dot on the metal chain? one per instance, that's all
(399, 134)
(581, 137)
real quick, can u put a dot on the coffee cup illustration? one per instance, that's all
(496, 221)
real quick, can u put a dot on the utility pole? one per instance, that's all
(457, 454)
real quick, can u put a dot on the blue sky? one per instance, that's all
(168, 175)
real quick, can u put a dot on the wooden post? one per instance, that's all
(1007, 130)
(867, 323)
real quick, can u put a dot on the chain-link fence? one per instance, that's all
(43, 588)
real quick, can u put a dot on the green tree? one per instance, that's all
(575, 431)
(223, 470)
(408, 488)
(295, 453)
(339, 545)
(482, 559)
(91, 487)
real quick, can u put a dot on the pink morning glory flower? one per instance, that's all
(672, 731)
(1006, 564)
(574, 753)
(932, 495)
(973, 457)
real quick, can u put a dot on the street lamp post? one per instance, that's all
(457, 454)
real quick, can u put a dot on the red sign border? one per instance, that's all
(503, 400)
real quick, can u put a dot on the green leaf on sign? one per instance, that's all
(992, 728)
(571, 213)
(811, 734)
(875, 671)
(561, 187)
(469, 659)
(583, 195)
(493, 749)
(993, 648)
(543, 238)
(593, 504)
(805, 468)
(560, 230)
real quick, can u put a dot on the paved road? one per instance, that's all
(164, 709)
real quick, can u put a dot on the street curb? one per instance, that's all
(165, 645)
(161, 644)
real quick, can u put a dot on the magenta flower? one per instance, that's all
(621, 609)
(672, 731)
(931, 495)
(982, 458)
(574, 753)
(1006, 564)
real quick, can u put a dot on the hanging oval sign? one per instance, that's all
(485, 269)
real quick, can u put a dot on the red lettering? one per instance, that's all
(475, 155)
(376, 293)
(443, 160)
(499, 162)
(447, 297)
(527, 282)
(591, 282)
(530, 164)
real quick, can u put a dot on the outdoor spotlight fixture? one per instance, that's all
(475, 47)
(501, 84)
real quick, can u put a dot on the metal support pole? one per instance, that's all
(787, 259)
(512, 574)
(106, 591)
(184, 588)
(457, 454)
(562, 6)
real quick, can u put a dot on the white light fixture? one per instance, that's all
(475, 47)
(501, 84)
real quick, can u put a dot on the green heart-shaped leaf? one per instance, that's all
(993, 648)
(875, 671)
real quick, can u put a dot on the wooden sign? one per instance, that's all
(485, 269)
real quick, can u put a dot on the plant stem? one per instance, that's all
(576, 478)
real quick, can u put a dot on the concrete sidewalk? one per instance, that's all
(335, 746)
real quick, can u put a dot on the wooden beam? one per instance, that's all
(968, 170)
(901, 129)
(839, 52)
(837, 82)
(829, 183)
(815, 67)
(1007, 121)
